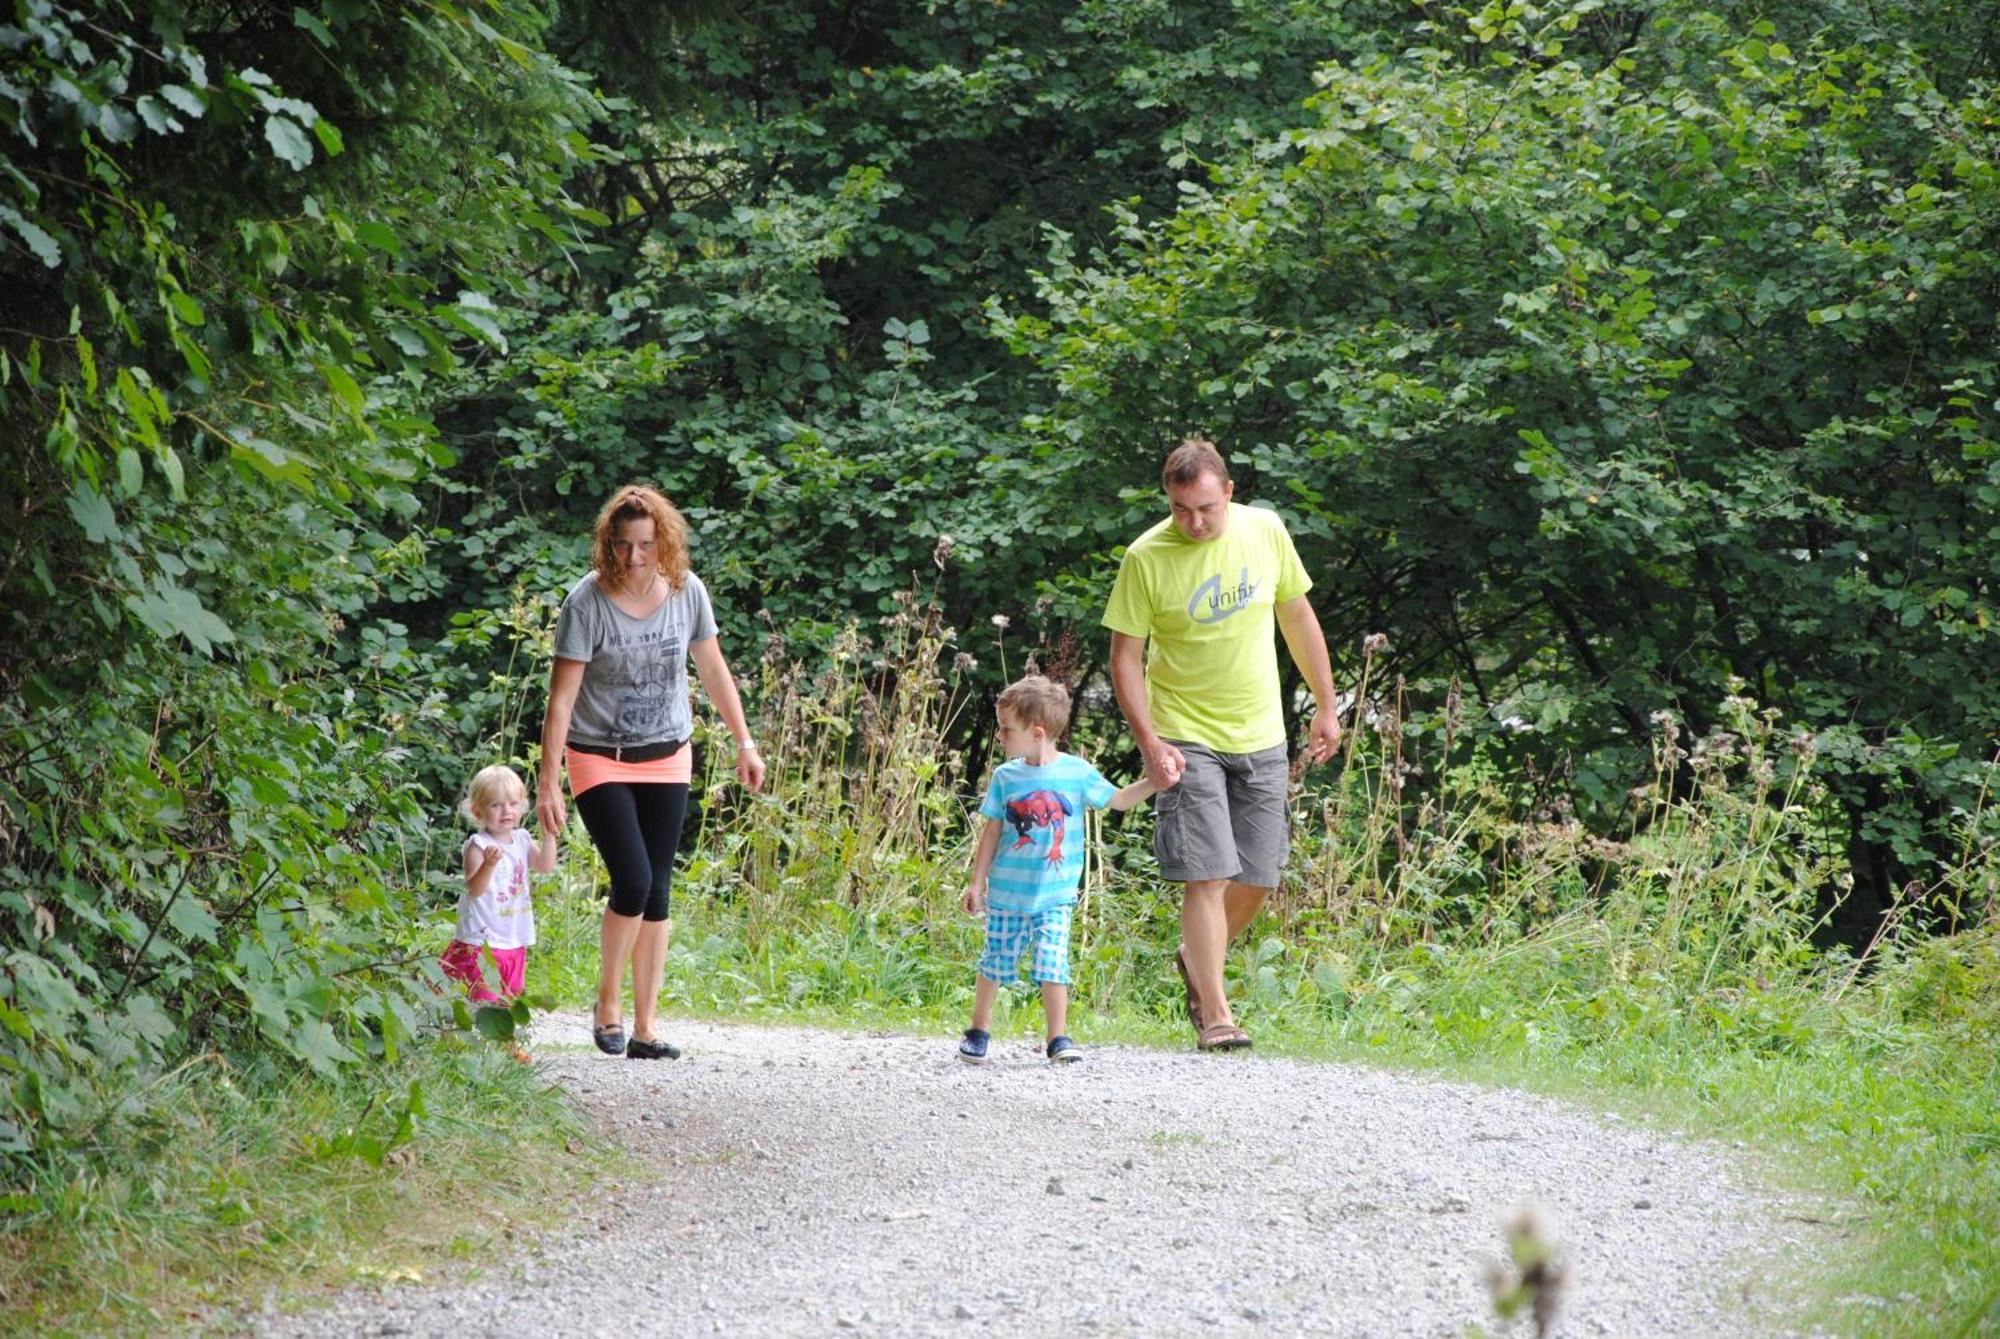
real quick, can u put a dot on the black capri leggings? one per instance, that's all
(636, 828)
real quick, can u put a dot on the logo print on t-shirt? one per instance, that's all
(1212, 601)
(1040, 809)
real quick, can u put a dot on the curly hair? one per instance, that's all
(498, 782)
(636, 502)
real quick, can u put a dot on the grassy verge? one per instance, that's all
(246, 1187)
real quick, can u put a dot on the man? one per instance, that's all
(1206, 585)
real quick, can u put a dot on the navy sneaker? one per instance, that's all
(1063, 1051)
(973, 1049)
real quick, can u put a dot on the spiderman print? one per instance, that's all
(1040, 809)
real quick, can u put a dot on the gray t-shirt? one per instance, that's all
(634, 688)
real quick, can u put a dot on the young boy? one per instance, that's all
(1027, 888)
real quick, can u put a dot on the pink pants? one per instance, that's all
(461, 962)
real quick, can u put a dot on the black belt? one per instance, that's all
(666, 748)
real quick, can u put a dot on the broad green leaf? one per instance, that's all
(477, 324)
(131, 472)
(494, 1023)
(94, 514)
(169, 462)
(170, 610)
(192, 919)
(306, 19)
(185, 99)
(380, 236)
(144, 1016)
(344, 386)
(158, 119)
(270, 459)
(45, 248)
(289, 141)
(15, 1021)
(315, 1043)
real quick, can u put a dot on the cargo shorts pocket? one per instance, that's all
(1167, 839)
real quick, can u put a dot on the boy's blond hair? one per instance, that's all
(489, 784)
(1035, 700)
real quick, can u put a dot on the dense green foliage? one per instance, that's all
(1619, 363)
(1613, 386)
(243, 247)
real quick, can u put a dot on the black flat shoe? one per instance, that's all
(610, 1038)
(660, 1049)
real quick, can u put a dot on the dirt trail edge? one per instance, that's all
(816, 1183)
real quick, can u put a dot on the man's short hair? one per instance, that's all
(1190, 460)
(1034, 701)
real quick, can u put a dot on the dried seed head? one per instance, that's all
(941, 551)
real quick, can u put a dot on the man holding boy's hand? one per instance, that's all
(1205, 586)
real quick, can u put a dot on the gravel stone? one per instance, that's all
(810, 1181)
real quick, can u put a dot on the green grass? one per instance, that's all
(239, 1188)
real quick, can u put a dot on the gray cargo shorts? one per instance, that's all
(1227, 819)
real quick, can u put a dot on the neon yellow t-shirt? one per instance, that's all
(1209, 608)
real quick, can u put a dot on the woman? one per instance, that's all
(618, 707)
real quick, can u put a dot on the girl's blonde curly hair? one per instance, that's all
(498, 782)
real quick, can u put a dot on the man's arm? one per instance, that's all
(1164, 762)
(1307, 644)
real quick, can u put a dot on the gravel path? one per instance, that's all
(814, 1183)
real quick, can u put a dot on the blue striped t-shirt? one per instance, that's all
(1040, 811)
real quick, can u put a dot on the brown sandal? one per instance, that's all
(1224, 1037)
(1187, 981)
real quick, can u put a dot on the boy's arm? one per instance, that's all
(974, 900)
(543, 861)
(1134, 795)
(479, 862)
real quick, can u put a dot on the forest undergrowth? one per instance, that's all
(1442, 912)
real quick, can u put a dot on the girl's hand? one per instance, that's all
(974, 900)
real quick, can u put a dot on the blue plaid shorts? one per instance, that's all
(1010, 933)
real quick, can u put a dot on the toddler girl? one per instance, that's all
(495, 913)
